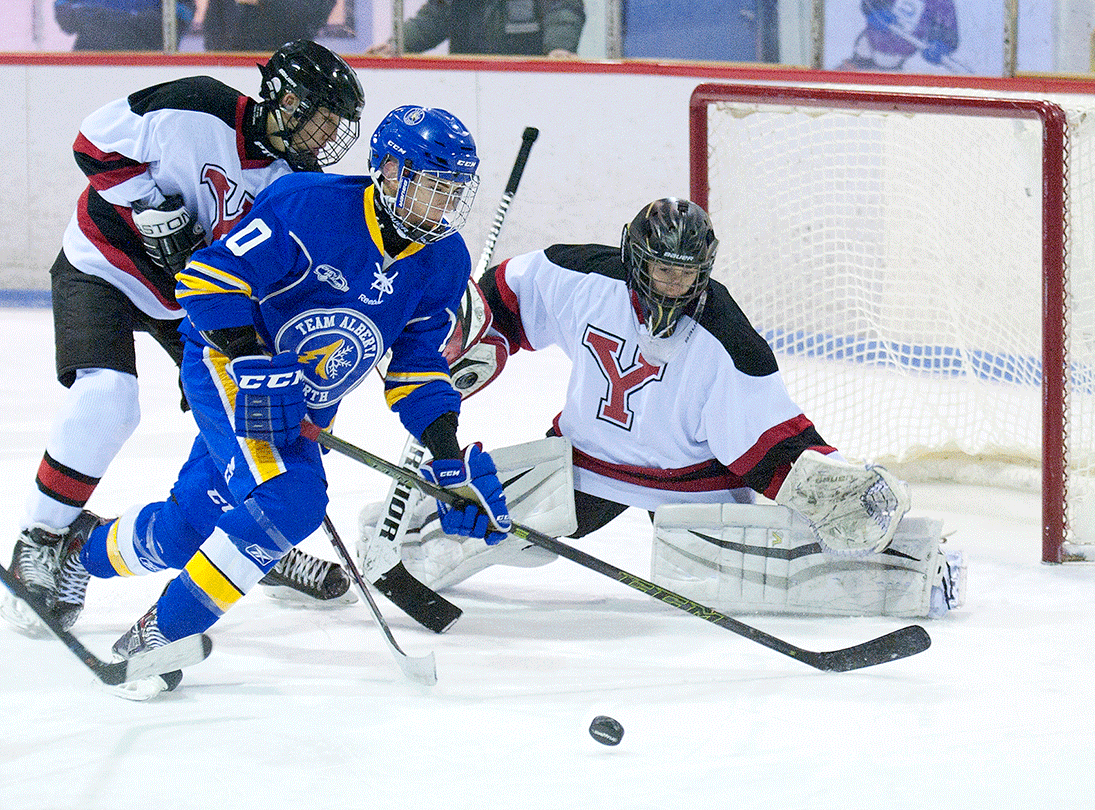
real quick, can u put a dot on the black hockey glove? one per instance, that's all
(169, 233)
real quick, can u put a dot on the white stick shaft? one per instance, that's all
(421, 670)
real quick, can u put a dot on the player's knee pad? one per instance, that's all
(201, 486)
(766, 559)
(280, 512)
(143, 539)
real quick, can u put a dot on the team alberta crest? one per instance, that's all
(337, 348)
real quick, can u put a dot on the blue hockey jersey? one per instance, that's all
(307, 268)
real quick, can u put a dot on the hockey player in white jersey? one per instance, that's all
(675, 404)
(170, 168)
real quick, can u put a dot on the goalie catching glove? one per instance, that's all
(169, 233)
(270, 400)
(852, 510)
(475, 479)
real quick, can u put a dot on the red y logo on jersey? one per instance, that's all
(224, 189)
(622, 382)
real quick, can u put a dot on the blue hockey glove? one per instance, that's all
(475, 479)
(270, 400)
(934, 52)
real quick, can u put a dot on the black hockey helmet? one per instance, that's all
(676, 237)
(318, 79)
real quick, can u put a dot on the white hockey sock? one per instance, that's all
(98, 415)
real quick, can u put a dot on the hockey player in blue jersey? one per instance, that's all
(284, 317)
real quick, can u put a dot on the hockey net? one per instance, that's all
(923, 267)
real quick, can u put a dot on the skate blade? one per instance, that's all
(21, 617)
(146, 688)
(292, 597)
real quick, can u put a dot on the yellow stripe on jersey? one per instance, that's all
(374, 226)
(263, 459)
(114, 554)
(212, 582)
(204, 278)
(412, 381)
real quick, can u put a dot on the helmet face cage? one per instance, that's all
(668, 234)
(325, 120)
(430, 158)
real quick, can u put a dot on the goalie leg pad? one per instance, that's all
(742, 558)
(538, 480)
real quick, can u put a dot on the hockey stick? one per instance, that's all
(528, 137)
(948, 61)
(900, 643)
(422, 604)
(420, 670)
(176, 655)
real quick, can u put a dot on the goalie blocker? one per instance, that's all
(742, 558)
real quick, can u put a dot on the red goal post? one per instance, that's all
(907, 255)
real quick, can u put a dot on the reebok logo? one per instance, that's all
(259, 554)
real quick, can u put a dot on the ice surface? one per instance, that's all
(301, 708)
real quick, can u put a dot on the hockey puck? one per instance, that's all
(606, 730)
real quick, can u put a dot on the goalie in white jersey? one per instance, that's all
(676, 405)
(170, 168)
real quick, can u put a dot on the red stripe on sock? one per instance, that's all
(63, 483)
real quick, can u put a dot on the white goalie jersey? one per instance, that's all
(652, 421)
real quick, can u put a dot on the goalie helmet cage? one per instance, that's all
(907, 257)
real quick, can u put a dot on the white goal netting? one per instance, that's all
(895, 260)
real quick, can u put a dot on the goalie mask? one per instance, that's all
(315, 100)
(423, 163)
(668, 251)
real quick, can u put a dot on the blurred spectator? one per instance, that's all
(513, 27)
(895, 31)
(119, 25)
(262, 25)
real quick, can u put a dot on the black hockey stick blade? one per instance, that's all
(176, 655)
(901, 643)
(381, 563)
(427, 607)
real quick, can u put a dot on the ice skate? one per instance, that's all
(300, 577)
(34, 563)
(143, 636)
(72, 576)
(950, 591)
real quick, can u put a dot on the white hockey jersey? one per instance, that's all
(652, 421)
(196, 137)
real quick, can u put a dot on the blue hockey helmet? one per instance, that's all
(423, 161)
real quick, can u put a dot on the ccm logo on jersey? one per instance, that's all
(283, 380)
